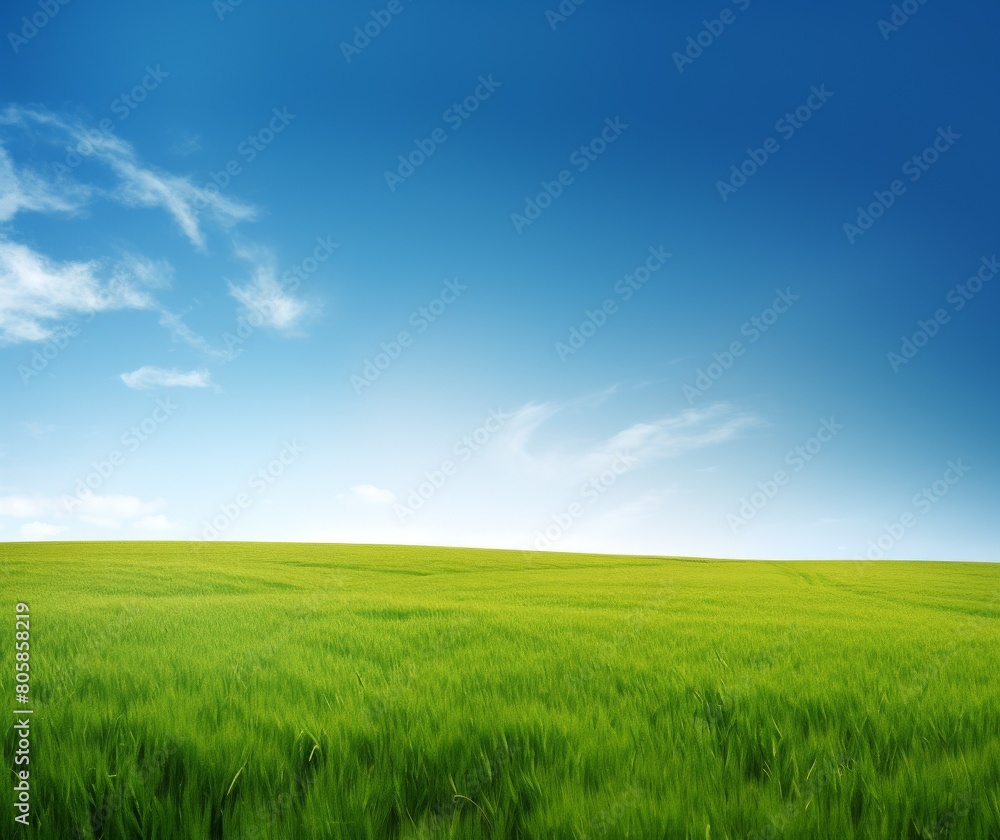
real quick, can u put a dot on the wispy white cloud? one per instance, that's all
(669, 436)
(154, 377)
(186, 145)
(367, 494)
(627, 515)
(181, 332)
(137, 185)
(41, 530)
(136, 269)
(111, 511)
(36, 291)
(142, 187)
(24, 507)
(23, 189)
(265, 296)
(158, 522)
(37, 429)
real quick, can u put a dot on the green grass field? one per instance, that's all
(304, 691)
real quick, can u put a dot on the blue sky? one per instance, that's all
(711, 281)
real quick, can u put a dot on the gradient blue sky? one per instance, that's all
(129, 257)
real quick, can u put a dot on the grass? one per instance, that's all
(306, 691)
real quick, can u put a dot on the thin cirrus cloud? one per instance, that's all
(22, 189)
(137, 185)
(669, 436)
(153, 377)
(367, 494)
(189, 144)
(38, 430)
(181, 332)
